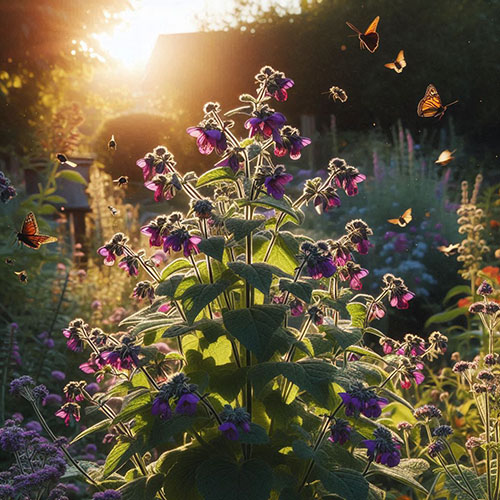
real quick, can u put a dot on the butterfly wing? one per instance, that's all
(30, 225)
(29, 233)
(407, 217)
(393, 66)
(373, 26)
(394, 221)
(430, 105)
(353, 28)
(369, 41)
(401, 59)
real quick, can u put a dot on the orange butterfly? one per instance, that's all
(445, 157)
(29, 233)
(402, 220)
(369, 39)
(430, 105)
(398, 64)
(450, 249)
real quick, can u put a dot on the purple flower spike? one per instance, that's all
(290, 142)
(161, 408)
(275, 183)
(266, 123)
(107, 495)
(340, 431)
(180, 239)
(275, 83)
(208, 139)
(233, 160)
(359, 399)
(187, 404)
(230, 431)
(147, 166)
(353, 273)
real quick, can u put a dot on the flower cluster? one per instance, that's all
(181, 393)
(399, 295)
(233, 421)
(7, 191)
(359, 399)
(273, 179)
(384, 449)
(159, 161)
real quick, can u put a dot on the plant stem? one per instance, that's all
(488, 447)
(5, 374)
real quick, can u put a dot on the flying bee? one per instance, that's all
(63, 160)
(22, 276)
(121, 181)
(112, 143)
(113, 210)
(336, 93)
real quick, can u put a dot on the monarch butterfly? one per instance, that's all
(402, 220)
(112, 143)
(29, 234)
(337, 93)
(445, 157)
(369, 39)
(22, 276)
(398, 64)
(450, 249)
(430, 105)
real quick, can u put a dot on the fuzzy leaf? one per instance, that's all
(221, 479)
(344, 338)
(213, 247)
(445, 316)
(241, 227)
(197, 297)
(174, 267)
(357, 312)
(257, 435)
(300, 289)
(168, 287)
(214, 175)
(212, 329)
(71, 175)
(346, 483)
(282, 205)
(103, 424)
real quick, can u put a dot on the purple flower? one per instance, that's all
(34, 426)
(357, 233)
(113, 249)
(266, 123)
(157, 230)
(144, 290)
(107, 495)
(181, 239)
(359, 399)
(485, 289)
(230, 431)
(123, 357)
(435, 448)
(187, 404)
(53, 400)
(340, 431)
(377, 311)
(130, 263)
(384, 449)
(20, 384)
(161, 408)
(296, 307)
(12, 437)
(208, 138)
(275, 182)
(326, 199)
(146, 164)
(233, 160)
(203, 209)
(73, 391)
(109, 256)
(399, 295)
(58, 375)
(353, 272)
(341, 251)
(165, 186)
(427, 412)
(290, 142)
(316, 315)
(319, 261)
(92, 388)
(69, 411)
(275, 83)
(7, 191)
(345, 176)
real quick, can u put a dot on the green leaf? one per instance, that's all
(312, 376)
(344, 338)
(397, 473)
(213, 247)
(221, 479)
(71, 175)
(254, 326)
(456, 290)
(55, 199)
(357, 311)
(103, 424)
(257, 435)
(119, 455)
(259, 275)
(215, 175)
(174, 267)
(169, 286)
(134, 403)
(266, 201)
(446, 316)
(283, 253)
(478, 483)
(300, 289)
(346, 483)
(142, 488)
(197, 297)
(241, 227)
(211, 329)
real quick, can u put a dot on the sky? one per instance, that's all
(132, 40)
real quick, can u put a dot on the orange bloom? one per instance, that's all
(492, 272)
(465, 302)
(494, 224)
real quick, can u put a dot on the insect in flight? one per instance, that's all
(112, 143)
(336, 93)
(113, 210)
(63, 160)
(402, 220)
(369, 39)
(9, 261)
(22, 276)
(445, 157)
(450, 249)
(398, 64)
(29, 235)
(430, 105)
(121, 181)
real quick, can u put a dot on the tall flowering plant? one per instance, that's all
(276, 392)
